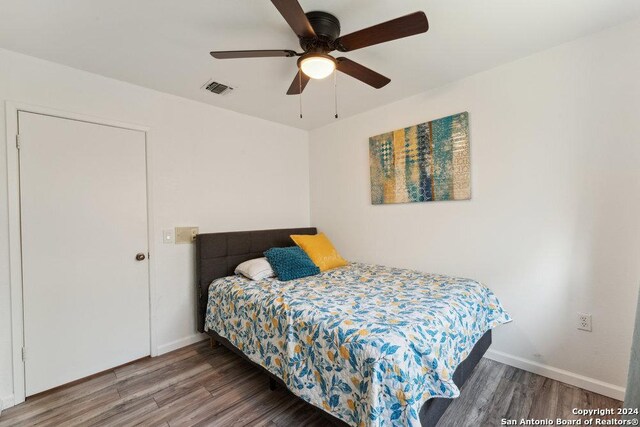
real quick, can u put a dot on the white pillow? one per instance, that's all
(255, 269)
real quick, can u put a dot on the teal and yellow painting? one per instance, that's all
(422, 163)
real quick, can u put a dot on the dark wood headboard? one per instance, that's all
(218, 254)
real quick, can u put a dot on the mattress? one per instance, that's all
(368, 344)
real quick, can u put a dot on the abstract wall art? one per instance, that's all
(422, 163)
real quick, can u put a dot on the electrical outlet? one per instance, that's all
(584, 322)
(186, 234)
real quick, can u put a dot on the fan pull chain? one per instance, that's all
(335, 90)
(300, 87)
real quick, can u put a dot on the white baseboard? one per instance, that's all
(6, 402)
(182, 342)
(561, 375)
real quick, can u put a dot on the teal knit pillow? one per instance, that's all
(291, 263)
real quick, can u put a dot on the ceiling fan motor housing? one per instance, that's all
(326, 27)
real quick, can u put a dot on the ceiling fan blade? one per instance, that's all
(299, 81)
(292, 12)
(405, 26)
(362, 73)
(235, 54)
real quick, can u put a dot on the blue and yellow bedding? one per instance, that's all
(369, 344)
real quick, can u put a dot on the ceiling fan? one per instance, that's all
(319, 34)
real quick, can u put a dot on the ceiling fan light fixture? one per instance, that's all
(317, 65)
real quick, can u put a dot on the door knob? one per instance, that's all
(140, 257)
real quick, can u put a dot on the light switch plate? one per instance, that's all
(186, 234)
(168, 236)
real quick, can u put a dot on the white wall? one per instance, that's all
(212, 168)
(553, 226)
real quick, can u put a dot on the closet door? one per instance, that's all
(84, 248)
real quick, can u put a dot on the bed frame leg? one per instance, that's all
(272, 384)
(213, 342)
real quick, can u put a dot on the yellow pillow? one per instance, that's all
(320, 250)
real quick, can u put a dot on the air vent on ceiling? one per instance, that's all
(217, 88)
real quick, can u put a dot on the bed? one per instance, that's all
(369, 345)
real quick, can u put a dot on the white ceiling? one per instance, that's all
(164, 45)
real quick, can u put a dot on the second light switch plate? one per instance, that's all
(186, 234)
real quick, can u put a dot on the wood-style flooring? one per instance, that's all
(201, 386)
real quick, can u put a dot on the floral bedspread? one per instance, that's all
(368, 344)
